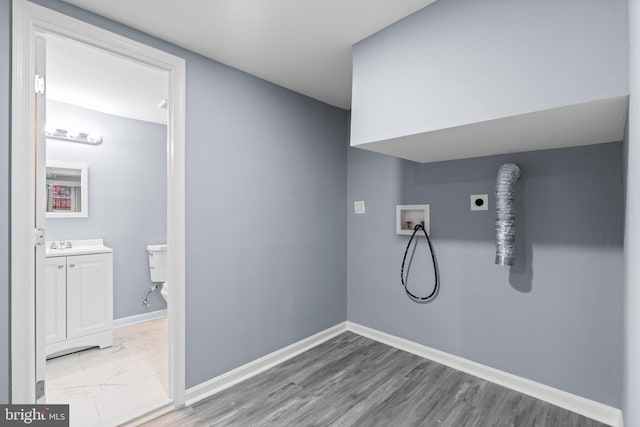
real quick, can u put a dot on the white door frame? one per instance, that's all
(30, 20)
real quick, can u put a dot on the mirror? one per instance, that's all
(67, 189)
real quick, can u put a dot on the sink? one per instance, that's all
(62, 244)
(76, 247)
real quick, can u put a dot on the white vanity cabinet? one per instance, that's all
(79, 307)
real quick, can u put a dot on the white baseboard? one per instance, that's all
(250, 369)
(589, 408)
(139, 318)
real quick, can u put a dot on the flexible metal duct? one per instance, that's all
(508, 174)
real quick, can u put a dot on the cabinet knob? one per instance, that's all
(72, 265)
(60, 265)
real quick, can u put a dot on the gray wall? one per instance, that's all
(462, 61)
(266, 203)
(127, 196)
(631, 377)
(555, 317)
(5, 117)
(266, 218)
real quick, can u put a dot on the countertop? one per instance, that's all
(78, 247)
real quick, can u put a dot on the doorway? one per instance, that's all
(105, 205)
(32, 26)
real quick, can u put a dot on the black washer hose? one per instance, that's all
(435, 267)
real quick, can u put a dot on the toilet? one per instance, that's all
(158, 266)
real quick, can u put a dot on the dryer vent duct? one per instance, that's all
(508, 174)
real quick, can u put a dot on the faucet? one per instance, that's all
(62, 244)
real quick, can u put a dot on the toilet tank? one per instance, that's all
(157, 262)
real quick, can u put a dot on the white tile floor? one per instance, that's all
(103, 385)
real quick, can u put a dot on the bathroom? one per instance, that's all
(117, 209)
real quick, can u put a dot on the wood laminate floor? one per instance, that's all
(354, 381)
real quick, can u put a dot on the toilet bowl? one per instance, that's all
(165, 290)
(158, 267)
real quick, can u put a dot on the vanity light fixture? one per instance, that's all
(72, 136)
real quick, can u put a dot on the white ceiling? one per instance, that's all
(303, 45)
(82, 75)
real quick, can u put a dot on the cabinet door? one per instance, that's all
(56, 299)
(89, 294)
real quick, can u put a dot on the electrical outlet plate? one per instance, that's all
(479, 202)
(359, 207)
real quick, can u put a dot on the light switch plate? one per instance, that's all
(359, 207)
(479, 202)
